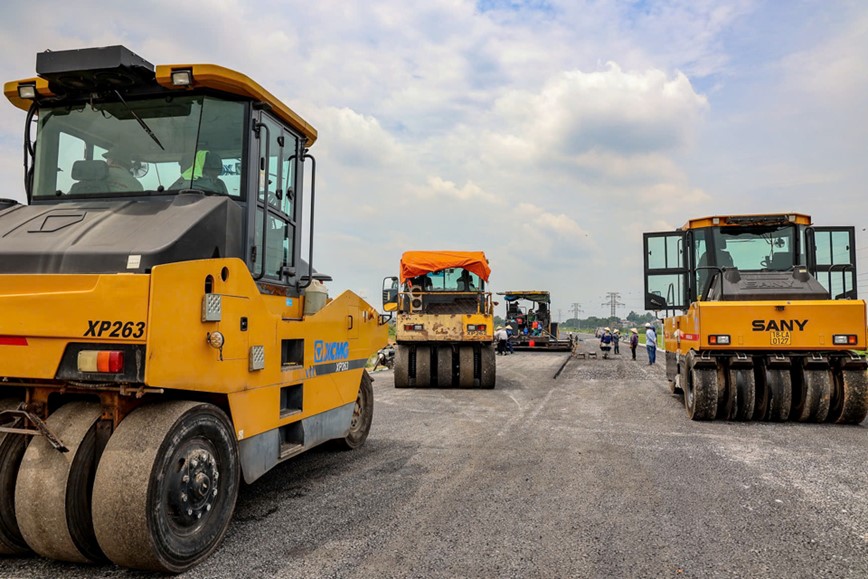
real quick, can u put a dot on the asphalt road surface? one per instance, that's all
(596, 473)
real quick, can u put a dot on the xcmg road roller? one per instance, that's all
(762, 318)
(444, 320)
(161, 338)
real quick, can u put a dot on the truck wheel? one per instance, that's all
(487, 367)
(780, 392)
(402, 367)
(465, 366)
(12, 447)
(444, 366)
(700, 397)
(53, 492)
(743, 382)
(854, 403)
(363, 414)
(811, 401)
(727, 395)
(423, 366)
(166, 486)
(761, 404)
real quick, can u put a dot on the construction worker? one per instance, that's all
(120, 166)
(502, 338)
(606, 342)
(651, 343)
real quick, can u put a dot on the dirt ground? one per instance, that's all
(595, 473)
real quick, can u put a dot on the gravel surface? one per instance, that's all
(596, 473)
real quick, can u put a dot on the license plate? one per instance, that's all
(780, 338)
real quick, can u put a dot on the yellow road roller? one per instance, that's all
(161, 337)
(444, 320)
(762, 319)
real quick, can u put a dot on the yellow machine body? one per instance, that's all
(762, 319)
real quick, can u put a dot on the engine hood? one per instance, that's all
(118, 235)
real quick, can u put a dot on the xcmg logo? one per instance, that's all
(330, 351)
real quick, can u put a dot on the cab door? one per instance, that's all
(276, 235)
(832, 259)
(666, 271)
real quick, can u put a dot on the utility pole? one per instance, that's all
(576, 307)
(612, 302)
(559, 316)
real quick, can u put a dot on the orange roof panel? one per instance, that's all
(415, 263)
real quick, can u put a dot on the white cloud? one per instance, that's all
(549, 134)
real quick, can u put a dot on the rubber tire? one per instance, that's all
(780, 389)
(465, 367)
(854, 407)
(444, 367)
(700, 397)
(487, 367)
(53, 492)
(761, 402)
(133, 478)
(742, 380)
(814, 396)
(402, 367)
(363, 415)
(423, 367)
(12, 447)
(727, 396)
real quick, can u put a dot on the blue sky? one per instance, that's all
(549, 134)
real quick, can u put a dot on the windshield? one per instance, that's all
(755, 249)
(746, 248)
(454, 279)
(169, 143)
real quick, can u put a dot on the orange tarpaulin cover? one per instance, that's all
(415, 263)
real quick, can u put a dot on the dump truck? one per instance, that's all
(161, 337)
(762, 318)
(444, 320)
(528, 313)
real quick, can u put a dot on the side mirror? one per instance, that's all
(390, 294)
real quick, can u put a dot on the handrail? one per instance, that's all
(298, 285)
(259, 126)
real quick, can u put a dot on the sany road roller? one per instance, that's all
(763, 320)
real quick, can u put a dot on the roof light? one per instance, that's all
(27, 91)
(182, 77)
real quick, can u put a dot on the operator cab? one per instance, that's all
(118, 141)
(753, 257)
